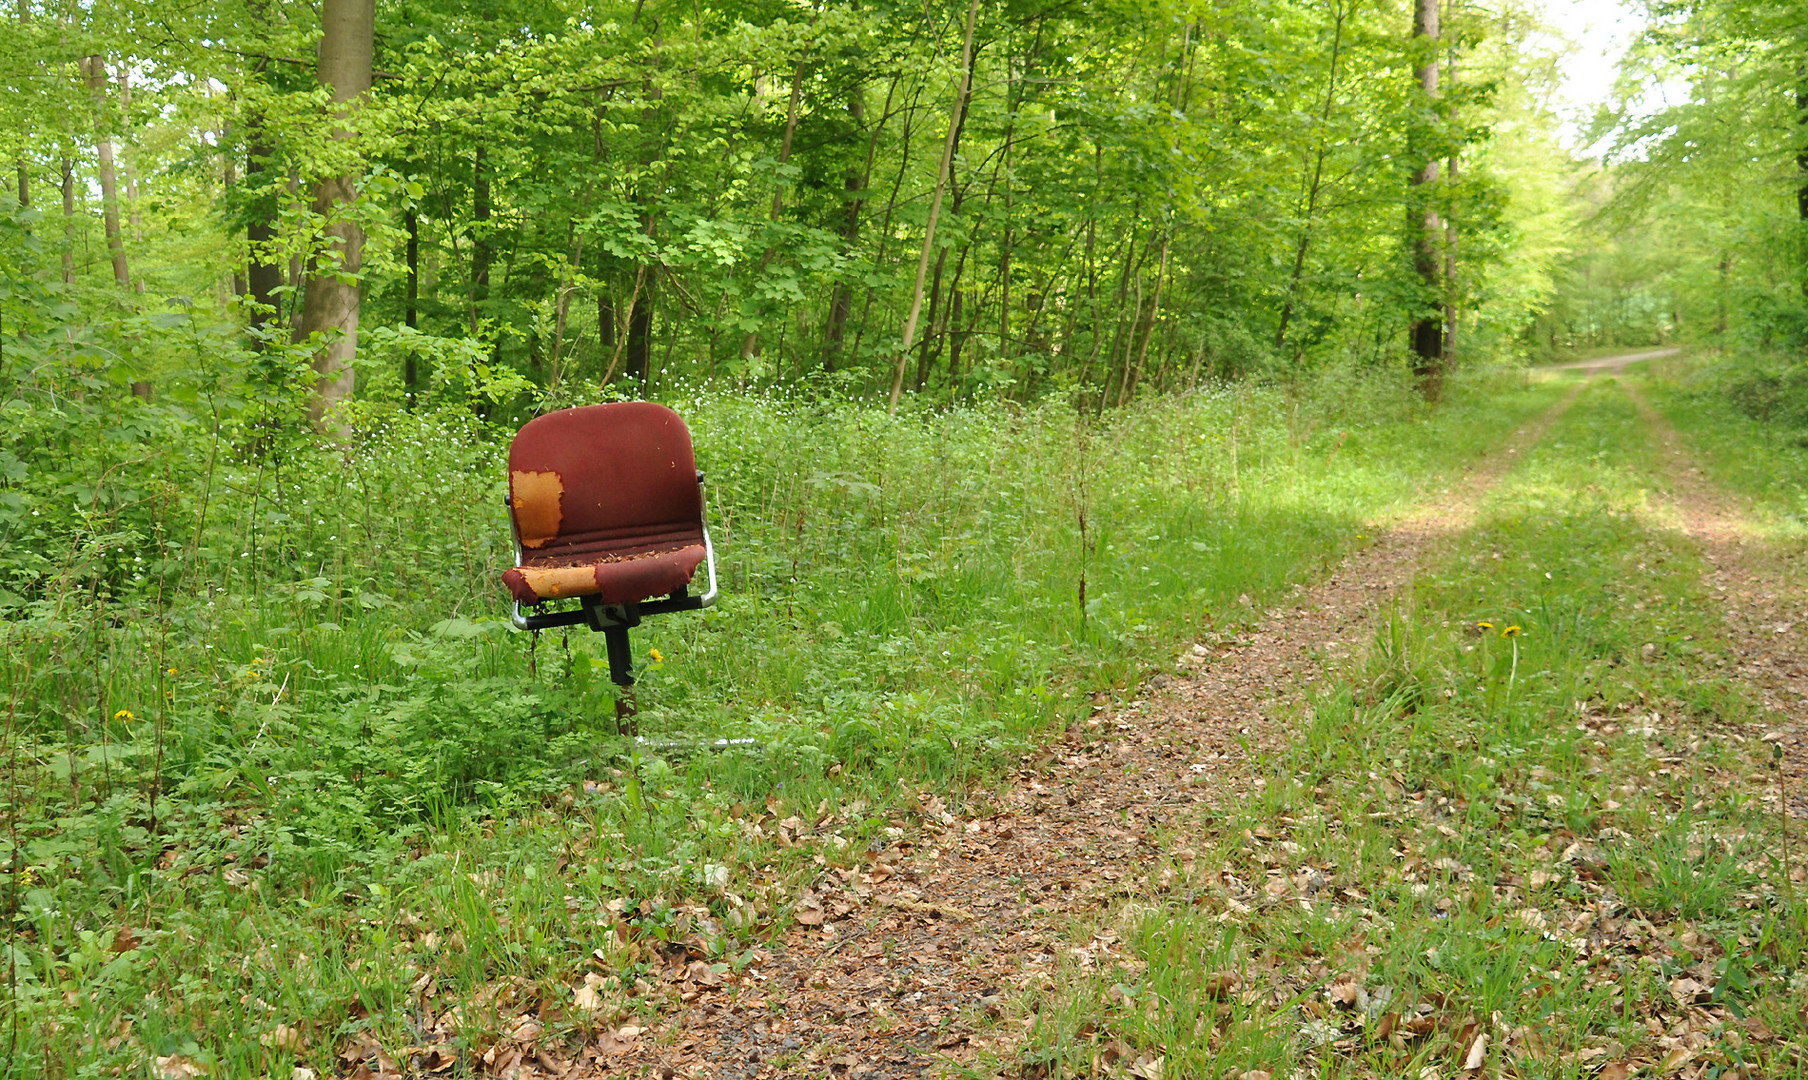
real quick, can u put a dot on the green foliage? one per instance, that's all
(571, 193)
(1699, 232)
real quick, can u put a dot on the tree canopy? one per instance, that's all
(559, 195)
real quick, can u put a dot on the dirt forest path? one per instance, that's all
(1764, 598)
(1613, 365)
(889, 959)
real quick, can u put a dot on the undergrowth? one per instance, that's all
(277, 768)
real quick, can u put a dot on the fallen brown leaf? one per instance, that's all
(1478, 1052)
(1676, 1059)
(1685, 990)
(177, 1067)
(1346, 991)
(283, 1038)
(1386, 1025)
(438, 1059)
(1221, 985)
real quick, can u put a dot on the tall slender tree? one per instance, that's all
(1424, 226)
(935, 204)
(94, 73)
(331, 303)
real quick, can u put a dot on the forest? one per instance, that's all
(1255, 540)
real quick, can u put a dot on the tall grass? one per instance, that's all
(271, 747)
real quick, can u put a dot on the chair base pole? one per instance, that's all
(621, 655)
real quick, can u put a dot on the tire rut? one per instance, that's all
(1763, 598)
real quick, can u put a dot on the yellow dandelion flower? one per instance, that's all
(1511, 631)
(1484, 626)
(125, 715)
(171, 671)
(657, 658)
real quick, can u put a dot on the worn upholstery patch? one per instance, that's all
(538, 499)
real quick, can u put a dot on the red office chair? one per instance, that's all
(607, 507)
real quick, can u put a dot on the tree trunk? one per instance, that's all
(1801, 158)
(1450, 240)
(957, 334)
(935, 205)
(1154, 320)
(567, 285)
(411, 309)
(1725, 267)
(891, 207)
(133, 217)
(1450, 231)
(265, 274)
(229, 181)
(1427, 229)
(94, 73)
(935, 303)
(329, 317)
(640, 341)
(482, 251)
(68, 220)
(1090, 273)
(1013, 96)
(948, 329)
(24, 170)
(1136, 318)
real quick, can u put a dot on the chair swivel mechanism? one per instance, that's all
(607, 508)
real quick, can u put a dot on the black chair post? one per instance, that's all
(621, 655)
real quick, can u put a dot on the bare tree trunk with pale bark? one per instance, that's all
(94, 73)
(330, 307)
(68, 219)
(24, 170)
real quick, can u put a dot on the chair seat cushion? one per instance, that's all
(614, 579)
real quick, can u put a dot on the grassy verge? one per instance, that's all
(1764, 460)
(284, 788)
(1545, 851)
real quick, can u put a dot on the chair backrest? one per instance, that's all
(615, 479)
